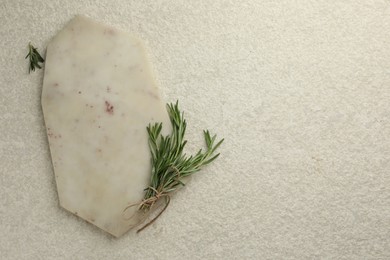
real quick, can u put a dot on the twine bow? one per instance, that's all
(147, 205)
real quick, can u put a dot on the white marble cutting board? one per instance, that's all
(98, 97)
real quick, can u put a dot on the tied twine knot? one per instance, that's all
(147, 205)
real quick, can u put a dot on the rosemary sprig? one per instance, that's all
(169, 162)
(35, 58)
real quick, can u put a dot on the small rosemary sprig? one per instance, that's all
(169, 162)
(35, 58)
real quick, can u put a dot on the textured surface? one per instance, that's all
(97, 100)
(299, 89)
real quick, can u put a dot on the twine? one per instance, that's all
(149, 203)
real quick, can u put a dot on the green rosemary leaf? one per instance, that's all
(216, 146)
(211, 159)
(34, 58)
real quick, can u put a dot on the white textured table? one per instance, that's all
(300, 91)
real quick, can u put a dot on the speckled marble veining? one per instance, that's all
(98, 97)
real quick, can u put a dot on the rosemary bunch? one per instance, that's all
(35, 58)
(169, 162)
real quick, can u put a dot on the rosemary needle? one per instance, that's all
(35, 58)
(169, 162)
